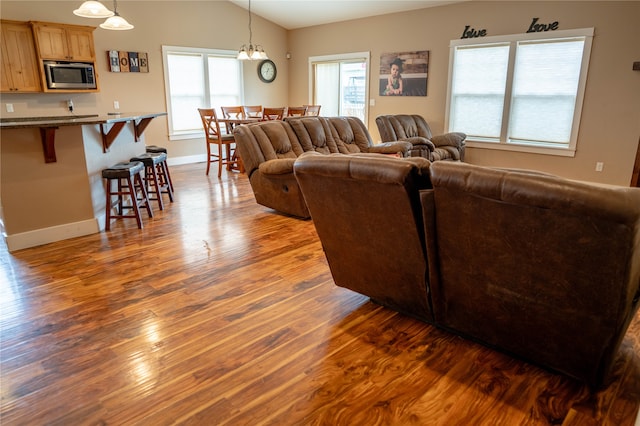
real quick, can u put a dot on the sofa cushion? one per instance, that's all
(275, 140)
(350, 135)
(313, 134)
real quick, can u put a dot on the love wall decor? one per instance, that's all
(127, 61)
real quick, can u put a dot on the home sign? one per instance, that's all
(128, 61)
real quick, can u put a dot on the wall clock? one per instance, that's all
(267, 71)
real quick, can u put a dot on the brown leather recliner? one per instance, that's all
(366, 210)
(535, 265)
(268, 150)
(415, 129)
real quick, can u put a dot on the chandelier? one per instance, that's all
(252, 52)
(95, 9)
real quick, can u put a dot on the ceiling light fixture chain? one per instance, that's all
(252, 52)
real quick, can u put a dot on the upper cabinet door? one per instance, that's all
(19, 65)
(64, 42)
(52, 42)
(80, 42)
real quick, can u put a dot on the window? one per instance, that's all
(339, 84)
(521, 92)
(198, 78)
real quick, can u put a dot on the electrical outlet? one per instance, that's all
(599, 166)
(70, 105)
(9, 107)
(116, 105)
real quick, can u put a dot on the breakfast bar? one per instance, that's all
(51, 187)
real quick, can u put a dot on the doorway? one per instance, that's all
(340, 84)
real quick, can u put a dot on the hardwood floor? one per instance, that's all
(221, 311)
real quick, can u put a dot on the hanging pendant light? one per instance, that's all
(116, 22)
(93, 9)
(252, 52)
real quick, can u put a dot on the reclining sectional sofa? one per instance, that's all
(538, 266)
(268, 150)
(415, 129)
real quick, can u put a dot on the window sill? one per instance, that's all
(561, 152)
(186, 135)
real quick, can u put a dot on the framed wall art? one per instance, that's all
(404, 73)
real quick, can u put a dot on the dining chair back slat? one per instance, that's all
(234, 112)
(273, 114)
(312, 110)
(296, 111)
(252, 111)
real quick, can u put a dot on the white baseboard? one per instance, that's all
(187, 159)
(49, 235)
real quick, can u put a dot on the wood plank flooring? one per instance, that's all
(223, 312)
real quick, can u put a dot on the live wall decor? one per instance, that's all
(128, 61)
(404, 73)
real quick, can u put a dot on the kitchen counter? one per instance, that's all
(64, 195)
(74, 120)
(48, 126)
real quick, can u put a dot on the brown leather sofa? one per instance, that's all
(534, 265)
(268, 150)
(415, 129)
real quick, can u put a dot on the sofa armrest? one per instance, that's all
(455, 139)
(402, 147)
(419, 142)
(279, 166)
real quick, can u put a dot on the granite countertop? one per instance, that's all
(73, 120)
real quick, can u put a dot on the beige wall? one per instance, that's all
(611, 115)
(206, 24)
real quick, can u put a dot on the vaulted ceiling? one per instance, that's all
(292, 14)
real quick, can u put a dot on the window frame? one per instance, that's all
(524, 146)
(364, 56)
(205, 54)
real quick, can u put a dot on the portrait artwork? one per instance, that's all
(404, 73)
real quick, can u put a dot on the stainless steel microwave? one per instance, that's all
(70, 75)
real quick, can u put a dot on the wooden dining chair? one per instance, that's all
(225, 152)
(312, 110)
(235, 112)
(252, 111)
(296, 111)
(273, 114)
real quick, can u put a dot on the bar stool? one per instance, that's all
(155, 175)
(129, 178)
(156, 149)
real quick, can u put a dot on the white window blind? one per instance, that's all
(479, 89)
(545, 86)
(521, 92)
(198, 78)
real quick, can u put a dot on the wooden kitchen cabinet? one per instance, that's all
(61, 42)
(20, 71)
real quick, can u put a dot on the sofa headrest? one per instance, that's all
(540, 190)
(402, 126)
(365, 166)
(313, 133)
(331, 134)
